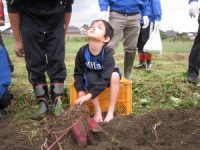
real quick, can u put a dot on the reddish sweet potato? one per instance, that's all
(80, 132)
(93, 125)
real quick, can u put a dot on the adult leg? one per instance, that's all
(35, 57)
(114, 90)
(55, 48)
(131, 33)
(118, 22)
(194, 61)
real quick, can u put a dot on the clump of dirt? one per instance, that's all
(158, 130)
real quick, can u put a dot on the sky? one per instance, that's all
(174, 15)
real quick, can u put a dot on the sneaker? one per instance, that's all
(140, 66)
(192, 80)
(148, 66)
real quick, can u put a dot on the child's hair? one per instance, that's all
(109, 29)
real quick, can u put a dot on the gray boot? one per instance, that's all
(128, 64)
(57, 90)
(41, 112)
(41, 92)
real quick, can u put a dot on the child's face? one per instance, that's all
(97, 31)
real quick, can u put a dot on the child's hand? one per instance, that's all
(82, 99)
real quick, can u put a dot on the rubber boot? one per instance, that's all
(41, 112)
(5, 100)
(41, 92)
(57, 90)
(128, 64)
(141, 64)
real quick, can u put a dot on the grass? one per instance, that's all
(164, 87)
(73, 45)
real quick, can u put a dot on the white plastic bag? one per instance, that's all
(154, 43)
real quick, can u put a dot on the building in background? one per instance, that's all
(73, 31)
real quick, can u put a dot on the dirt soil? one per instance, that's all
(158, 130)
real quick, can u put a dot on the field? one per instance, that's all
(166, 112)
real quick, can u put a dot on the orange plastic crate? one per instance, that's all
(124, 102)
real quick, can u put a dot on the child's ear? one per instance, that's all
(106, 39)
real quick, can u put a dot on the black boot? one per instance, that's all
(3, 114)
(128, 63)
(41, 92)
(57, 90)
(5, 100)
(192, 75)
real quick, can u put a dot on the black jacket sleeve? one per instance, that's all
(68, 5)
(97, 86)
(13, 6)
(79, 71)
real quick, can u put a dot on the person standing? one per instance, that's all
(39, 28)
(124, 17)
(194, 57)
(145, 59)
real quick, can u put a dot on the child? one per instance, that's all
(95, 69)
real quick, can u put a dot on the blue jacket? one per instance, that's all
(125, 6)
(192, 1)
(5, 74)
(155, 9)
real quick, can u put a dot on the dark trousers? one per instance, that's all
(143, 38)
(194, 57)
(44, 52)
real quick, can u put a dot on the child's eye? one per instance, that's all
(99, 27)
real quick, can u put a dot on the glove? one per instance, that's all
(194, 9)
(145, 21)
(104, 15)
(157, 24)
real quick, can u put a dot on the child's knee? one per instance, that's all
(115, 77)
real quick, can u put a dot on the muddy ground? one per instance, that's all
(158, 130)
